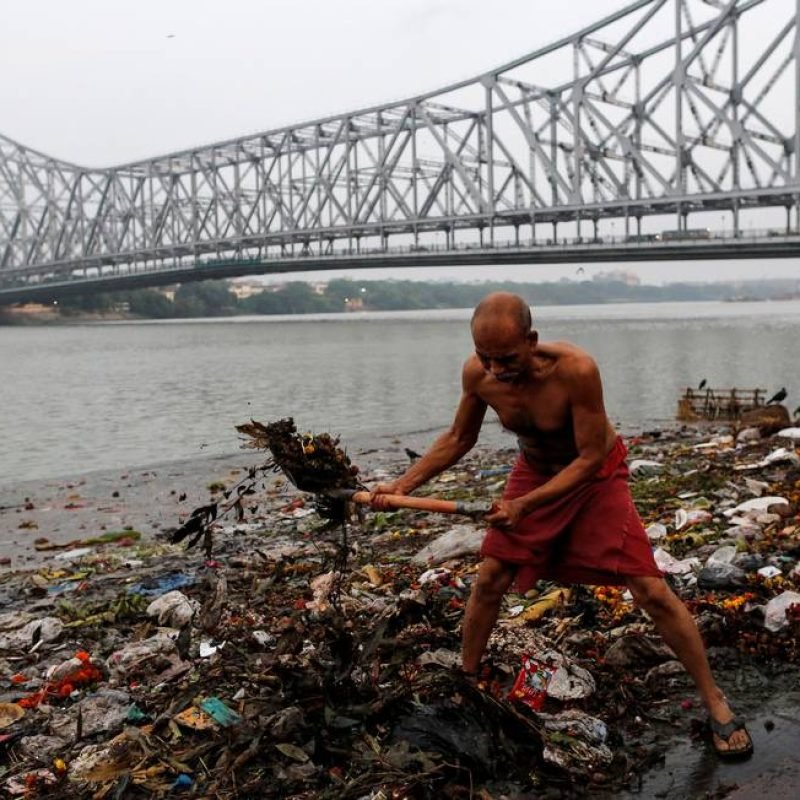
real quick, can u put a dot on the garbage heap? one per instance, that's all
(278, 669)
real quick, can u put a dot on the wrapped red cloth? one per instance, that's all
(591, 535)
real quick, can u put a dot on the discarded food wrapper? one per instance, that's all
(494, 471)
(435, 575)
(685, 518)
(775, 616)
(722, 555)
(194, 718)
(9, 714)
(173, 609)
(75, 554)
(642, 467)
(666, 562)
(154, 587)
(780, 456)
(28, 785)
(219, 712)
(39, 631)
(208, 648)
(462, 540)
(769, 572)
(656, 532)
(531, 684)
(756, 504)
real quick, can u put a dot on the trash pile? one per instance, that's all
(275, 668)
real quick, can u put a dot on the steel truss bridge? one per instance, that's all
(630, 139)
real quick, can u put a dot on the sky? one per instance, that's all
(99, 83)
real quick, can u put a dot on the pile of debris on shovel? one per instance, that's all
(278, 669)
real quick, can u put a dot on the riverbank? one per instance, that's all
(150, 499)
(272, 668)
(229, 299)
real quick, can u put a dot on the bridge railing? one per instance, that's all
(698, 238)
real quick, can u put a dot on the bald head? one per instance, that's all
(502, 310)
(504, 341)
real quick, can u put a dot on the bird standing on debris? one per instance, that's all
(778, 397)
(702, 385)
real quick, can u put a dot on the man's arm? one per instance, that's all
(590, 426)
(451, 446)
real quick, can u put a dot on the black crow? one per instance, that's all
(702, 385)
(413, 455)
(778, 397)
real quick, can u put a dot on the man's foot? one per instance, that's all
(730, 739)
(469, 676)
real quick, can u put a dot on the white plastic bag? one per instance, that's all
(775, 612)
(463, 540)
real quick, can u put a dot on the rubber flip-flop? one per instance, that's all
(724, 731)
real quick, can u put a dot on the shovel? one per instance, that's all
(328, 474)
(331, 501)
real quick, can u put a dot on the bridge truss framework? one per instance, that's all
(664, 107)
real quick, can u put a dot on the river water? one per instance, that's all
(78, 398)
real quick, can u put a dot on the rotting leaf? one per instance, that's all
(293, 751)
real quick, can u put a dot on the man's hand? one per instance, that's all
(377, 501)
(505, 514)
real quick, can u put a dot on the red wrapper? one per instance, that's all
(531, 684)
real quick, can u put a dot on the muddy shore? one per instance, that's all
(274, 567)
(151, 499)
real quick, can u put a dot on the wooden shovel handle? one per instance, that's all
(471, 508)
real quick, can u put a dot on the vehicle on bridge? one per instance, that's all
(689, 233)
(643, 237)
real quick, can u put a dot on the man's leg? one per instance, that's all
(677, 627)
(483, 606)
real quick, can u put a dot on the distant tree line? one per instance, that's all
(215, 299)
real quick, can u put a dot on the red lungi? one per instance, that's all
(591, 535)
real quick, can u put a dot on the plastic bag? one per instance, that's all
(462, 540)
(775, 613)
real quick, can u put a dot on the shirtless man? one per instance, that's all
(567, 511)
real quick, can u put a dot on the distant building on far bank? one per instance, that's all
(31, 310)
(245, 289)
(167, 291)
(617, 276)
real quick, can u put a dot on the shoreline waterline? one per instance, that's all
(125, 395)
